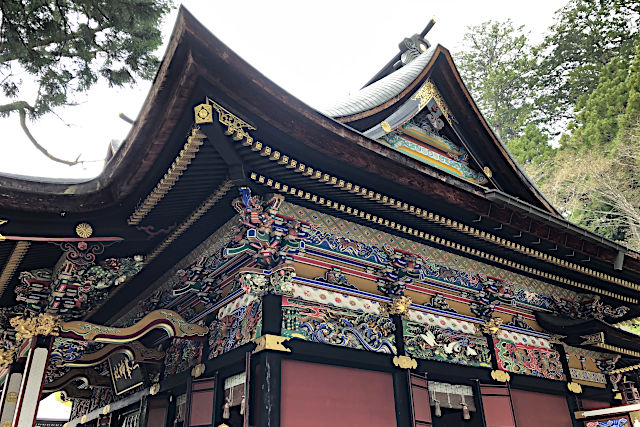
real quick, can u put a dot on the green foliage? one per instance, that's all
(586, 36)
(584, 84)
(595, 179)
(610, 107)
(66, 46)
(531, 147)
(496, 64)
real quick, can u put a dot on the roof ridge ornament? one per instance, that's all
(411, 48)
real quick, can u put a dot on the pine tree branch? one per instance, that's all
(21, 107)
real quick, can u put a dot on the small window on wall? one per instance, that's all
(201, 403)
(234, 404)
(456, 399)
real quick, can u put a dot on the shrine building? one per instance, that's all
(245, 260)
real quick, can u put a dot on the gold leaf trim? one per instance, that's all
(155, 388)
(271, 342)
(405, 362)
(179, 165)
(429, 91)
(84, 230)
(28, 327)
(13, 263)
(574, 387)
(492, 326)
(398, 305)
(198, 370)
(500, 376)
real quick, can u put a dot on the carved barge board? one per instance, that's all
(167, 320)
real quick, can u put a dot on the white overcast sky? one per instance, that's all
(318, 51)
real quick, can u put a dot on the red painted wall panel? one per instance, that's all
(539, 409)
(316, 395)
(497, 411)
(157, 412)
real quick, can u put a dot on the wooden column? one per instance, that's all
(10, 394)
(32, 381)
(269, 371)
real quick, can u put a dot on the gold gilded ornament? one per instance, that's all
(203, 113)
(492, 326)
(398, 305)
(155, 388)
(574, 387)
(83, 419)
(487, 172)
(12, 397)
(106, 410)
(271, 342)
(556, 339)
(197, 370)
(84, 230)
(427, 92)
(405, 362)
(2, 222)
(28, 327)
(385, 127)
(6, 356)
(500, 376)
(593, 339)
(8, 424)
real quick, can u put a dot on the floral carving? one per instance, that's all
(587, 308)
(337, 326)
(445, 345)
(29, 327)
(528, 360)
(278, 281)
(239, 327)
(76, 287)
(336, 277)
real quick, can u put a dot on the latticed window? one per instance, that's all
(130, 419)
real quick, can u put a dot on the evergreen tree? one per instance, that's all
(495, 65)
(531, 147)
(66, 46)
(595, 179)
(586, 36)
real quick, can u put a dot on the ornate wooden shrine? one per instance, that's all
(245, 260)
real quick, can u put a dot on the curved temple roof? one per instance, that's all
(382, 90)
(197, 65)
